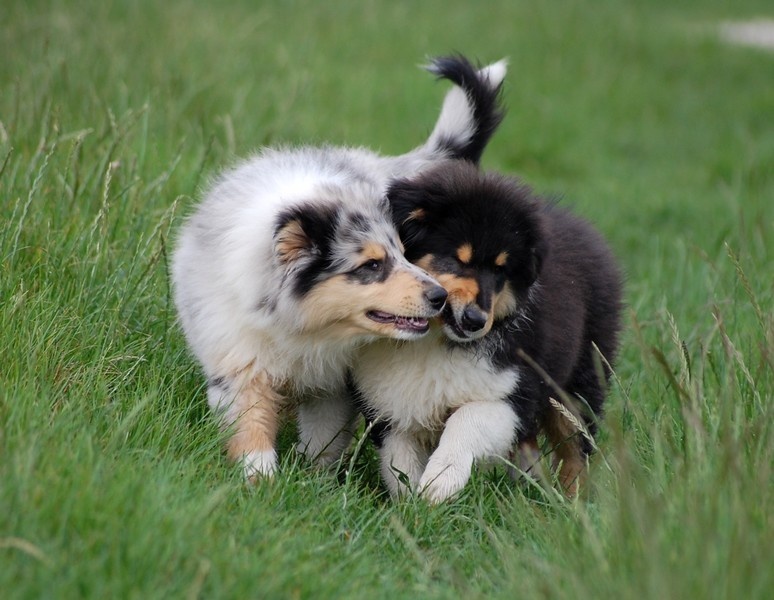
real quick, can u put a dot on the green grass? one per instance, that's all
(112, 114)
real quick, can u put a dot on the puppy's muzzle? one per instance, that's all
(465, 324)
(473, 319)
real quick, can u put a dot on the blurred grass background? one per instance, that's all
(112, 114)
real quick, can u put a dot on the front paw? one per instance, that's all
(259, 464)
(443, 479)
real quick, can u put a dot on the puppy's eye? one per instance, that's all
(372, 265)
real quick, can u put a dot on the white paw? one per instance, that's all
(443, 479)
(399, 484)
(402, 461)
(259, 463)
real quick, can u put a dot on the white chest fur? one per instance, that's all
(415, 385)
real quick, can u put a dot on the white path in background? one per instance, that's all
(759, 32)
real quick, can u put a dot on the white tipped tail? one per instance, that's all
(471, 110)
(495, 73)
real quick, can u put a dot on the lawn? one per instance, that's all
(114, 114)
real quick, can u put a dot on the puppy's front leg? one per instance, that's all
(474, 431)
(403, 459)
(250, 405)
(325, 426)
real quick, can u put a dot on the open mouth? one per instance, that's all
(456, 329)
(411, 324)
(459, 333)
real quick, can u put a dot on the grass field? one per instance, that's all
(112, 114)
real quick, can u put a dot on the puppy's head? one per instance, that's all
(343, 264)
(480, 235)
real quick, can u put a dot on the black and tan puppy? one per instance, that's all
(532, 289)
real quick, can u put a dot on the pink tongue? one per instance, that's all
(382, 317)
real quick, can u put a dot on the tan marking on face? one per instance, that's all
(504, 302)
(339, 306)
(291, 242)
(415, 215)
(373, 251)
(425, 263)
(462, 290)
(465, 253)
(501, 259)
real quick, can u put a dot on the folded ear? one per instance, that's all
(537, 249)
(404, 200)
(535, 263)
(291, 242)
(410, 210)
(304, 231)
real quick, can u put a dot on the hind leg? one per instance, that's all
(526, 462)
(325, 426)
(569, 456)
(250, 405)
(569, 430)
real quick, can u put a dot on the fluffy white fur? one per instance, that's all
(435, 381)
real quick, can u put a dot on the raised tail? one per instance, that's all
(471, 110)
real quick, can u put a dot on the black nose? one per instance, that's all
(473, 319)
(436, 297)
